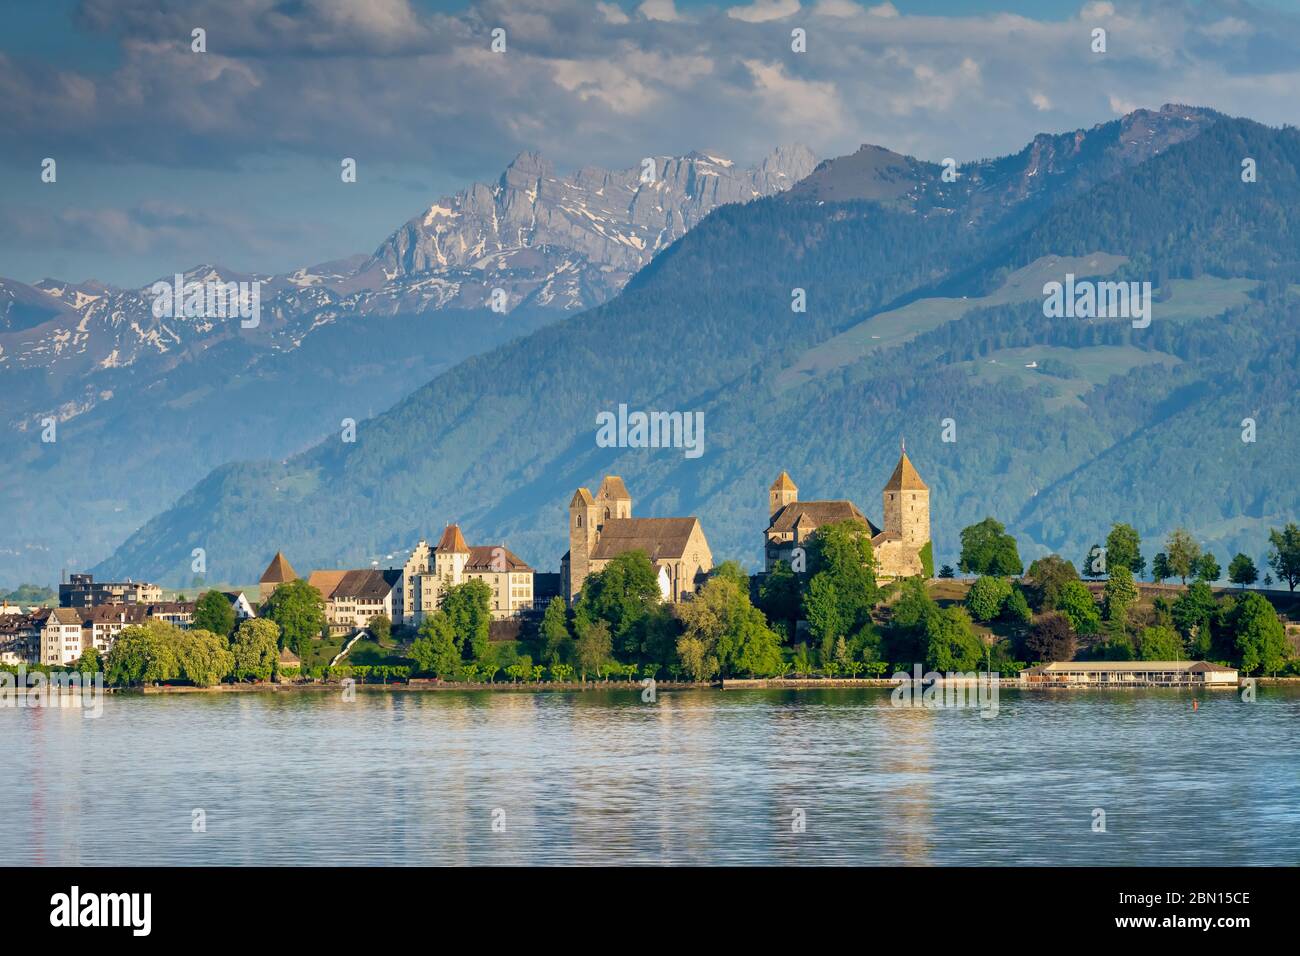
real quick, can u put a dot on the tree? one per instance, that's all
(1207, 568)
(1160, 570)
(1160, 643)
(731, 631)
(732, 571)
(1242, 570)
(255, 648)
(298, 610)
(985, 598)
(90, 662)
(946, 571)
(204, 658)
(1183, 552)
(1047, 575)
(1191, 614)
(144, 654)
(1094, 562)
(594, 648)
(779, 597)
(1119, 593)
(698, 664)
(986, 548)
(620, 595)
(1051, 639)
(557, 643)
(468, 608)
(1284, 554)
(842, 588)
(381, 628)
(1015, 609)
(434, 649)
(1076, 603)
(1259, 634)
(951, 645)
(1124, 547)
(214, 612)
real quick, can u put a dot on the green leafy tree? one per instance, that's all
(1242, 571)
(1260, 636)
(90, 662)
(732, 571)
(434, 649)
(986, 596)
(696, 661)
(1047, 575)
(381, 628)
(732, 631)
(947, 571)
(951, 645)
(1119, 593)
(927, 560)
(779, 596)
(214, 612)
(1207, 568)
(1284, 554)
(298, 610)
(1124, 547)
(1183, 553)
(1160, 570)
(1192, 614)
(620, 595)
(468, 608)
(144, 654)
(1015, 609)
(1160, 643)
(255, 648)
(204, 658)
(594, 648)
(842, 588)
(986, 548)
(1076, 603)
(557, 642)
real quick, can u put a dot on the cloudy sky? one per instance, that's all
(167, 158)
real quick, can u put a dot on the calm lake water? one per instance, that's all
(698, 777)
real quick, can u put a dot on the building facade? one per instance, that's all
(602, 527)
(431, 572)
(899, 548)
(82, 590)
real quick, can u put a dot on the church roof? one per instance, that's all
(809, 515)
(581, 497)
(783, 483)
(660, 538)
(613, 487)
(905, 477)
(452, 540)
(369, 583)
(278, 571)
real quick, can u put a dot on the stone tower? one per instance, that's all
(783, 492)
(451, 555)
(907, 504)
(582, 539)
(612, 500)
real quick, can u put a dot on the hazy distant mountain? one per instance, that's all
(147, 405)
(924, 304)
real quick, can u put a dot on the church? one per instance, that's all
(602, 528)
(902, 548)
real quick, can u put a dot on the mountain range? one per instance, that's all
(145, 406)
(924, 321)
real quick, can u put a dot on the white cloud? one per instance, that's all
(665, 10)
(1096, 9)
(613, 13)
(761, 11)
(837, 8)
(1040, 101)
(884, 10)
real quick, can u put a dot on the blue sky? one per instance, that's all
(167, 158)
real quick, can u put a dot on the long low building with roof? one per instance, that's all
(1132, 674)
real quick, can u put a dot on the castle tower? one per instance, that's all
(451, 555)
(907, 504)
(783, 492)
(278, 572)
(582, 539)
(612, 500)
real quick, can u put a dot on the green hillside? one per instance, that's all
(1124, 424)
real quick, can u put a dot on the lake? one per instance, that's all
(696, 777)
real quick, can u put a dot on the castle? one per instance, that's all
(602, 528)
(901, 549)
